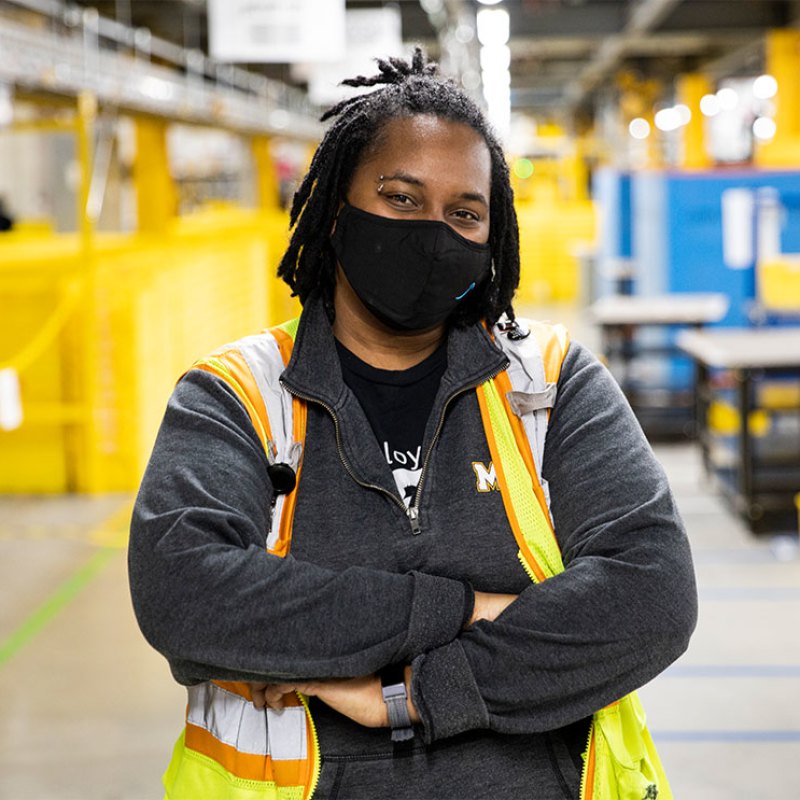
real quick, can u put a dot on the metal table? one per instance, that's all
(621, 316)
(750, 353)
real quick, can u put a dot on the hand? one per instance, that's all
(360, 699)
(489, 606)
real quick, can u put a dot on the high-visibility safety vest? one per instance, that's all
(231, 750)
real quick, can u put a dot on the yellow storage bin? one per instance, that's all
(779, 283)
(145, 307)
(551, 233)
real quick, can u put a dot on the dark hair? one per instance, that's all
(407, 89)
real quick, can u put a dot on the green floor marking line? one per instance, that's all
(112, 531)
(54, 604)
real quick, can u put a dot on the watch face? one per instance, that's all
(393, 674)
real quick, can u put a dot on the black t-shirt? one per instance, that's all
(397, 404)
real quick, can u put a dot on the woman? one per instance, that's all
(403, 568)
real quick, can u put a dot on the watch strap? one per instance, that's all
(393, 689)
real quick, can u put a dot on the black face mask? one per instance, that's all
(411, 274)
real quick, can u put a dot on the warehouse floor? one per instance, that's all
(89, 711)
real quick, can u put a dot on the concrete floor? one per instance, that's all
(88, 711)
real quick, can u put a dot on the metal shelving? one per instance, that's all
(78, 51)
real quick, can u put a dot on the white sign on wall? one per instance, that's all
(738, 207)
(276, 31)
(370, 34)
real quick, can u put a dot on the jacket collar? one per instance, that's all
(314, 371)
(315, 374)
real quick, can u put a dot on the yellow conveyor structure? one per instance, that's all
(557, 221)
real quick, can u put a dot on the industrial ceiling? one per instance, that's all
(565, 54)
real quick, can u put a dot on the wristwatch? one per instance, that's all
(393, 688)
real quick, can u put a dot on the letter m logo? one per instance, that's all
(485, 477)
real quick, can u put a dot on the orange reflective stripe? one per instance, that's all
(285, 343)
(553, 343)
(232, 368)
(299, 418)
(244, 765)
(504, 493)
(503, 383)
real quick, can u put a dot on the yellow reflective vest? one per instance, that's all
(231, 750)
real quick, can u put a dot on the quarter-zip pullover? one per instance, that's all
(502, 703)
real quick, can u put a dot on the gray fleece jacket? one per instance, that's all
(504, 705)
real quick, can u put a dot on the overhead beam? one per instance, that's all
(734, 61)
(580, 47)
(645, 17)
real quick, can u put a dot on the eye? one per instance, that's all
(464, 215)
(400, 199)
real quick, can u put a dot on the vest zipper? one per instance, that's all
(587, 790)
(316, 767)
(412, 511)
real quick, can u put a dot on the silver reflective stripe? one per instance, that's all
(234, 721)
(531, 394)
(523, 403)
(287, 733)
(263, 356)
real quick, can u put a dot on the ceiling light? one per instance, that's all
(728, 99)
(496, 85)
(156, 88)
(710, 105)
(471, 79)
(764, 129)
(279, 118)
(493, 26)
(764, 87)
(465, 33)
(639, 128)
(668, 119)
(684, 113)
(489, 2)
(495, 57)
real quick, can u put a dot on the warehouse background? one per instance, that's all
(148, 151)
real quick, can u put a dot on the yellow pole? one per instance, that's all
(783, 63)
(267, 186)
(84, 476)
(276, 222)
(581, 171)
(156, 196)
(690, 90)
(87, 114)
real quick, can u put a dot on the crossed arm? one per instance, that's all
(360, 699)
(621, 611)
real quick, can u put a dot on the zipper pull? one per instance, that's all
(413, 517)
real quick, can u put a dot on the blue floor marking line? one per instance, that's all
(660, 737)
(732, 671)
(748, 594)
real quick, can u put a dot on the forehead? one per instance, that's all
(436, 150)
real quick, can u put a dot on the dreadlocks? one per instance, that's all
(407, 88)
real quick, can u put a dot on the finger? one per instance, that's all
(273, 696)
(259, 701)
(257, 693)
